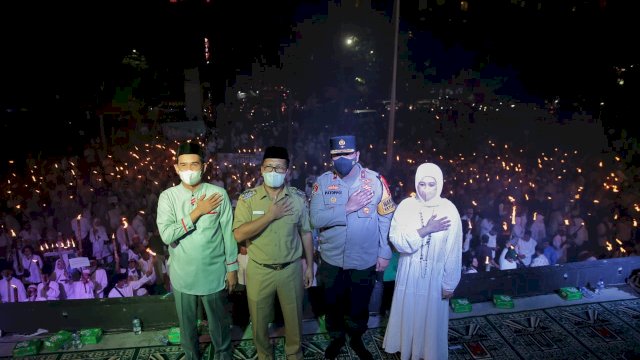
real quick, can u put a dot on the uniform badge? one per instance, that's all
(342, 142)
(333, 199)
(333, 187)
(247, 194)
(366, 210)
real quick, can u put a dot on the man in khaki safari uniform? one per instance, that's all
(274, 221)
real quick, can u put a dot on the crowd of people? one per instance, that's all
(517, 211)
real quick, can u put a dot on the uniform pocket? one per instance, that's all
(334, 199)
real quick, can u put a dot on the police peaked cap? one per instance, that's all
(342, 144)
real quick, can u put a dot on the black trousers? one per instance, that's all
(346, 295)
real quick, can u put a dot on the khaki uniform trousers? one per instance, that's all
(262, 286)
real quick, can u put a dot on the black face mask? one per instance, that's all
(343, 165)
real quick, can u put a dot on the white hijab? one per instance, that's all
(429, 170)
(60, 275)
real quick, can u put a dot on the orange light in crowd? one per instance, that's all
(150, 252)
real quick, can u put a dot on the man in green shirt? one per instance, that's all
(194, 219)
(274, 219)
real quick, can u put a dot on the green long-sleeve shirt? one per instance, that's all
(201, 254)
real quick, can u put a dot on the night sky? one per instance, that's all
(55, 57)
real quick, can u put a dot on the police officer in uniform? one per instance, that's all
(351, 206)
(274, 219)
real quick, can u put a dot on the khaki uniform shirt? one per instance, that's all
(280, 241)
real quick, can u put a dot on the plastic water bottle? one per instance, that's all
(76, 342)
(137, 326)
(163, 340)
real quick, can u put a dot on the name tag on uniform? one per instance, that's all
(258, 212)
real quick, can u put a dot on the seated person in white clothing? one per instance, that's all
(134, 274)
(48, 289)
(32, 293)
(508, 257)
(127, 288)
(82, 288)
(99, 277)
(539, 259)
(11, 288)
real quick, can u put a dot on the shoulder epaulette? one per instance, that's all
(247, 194)
(326, 173)
(295, 190)
(374, 173)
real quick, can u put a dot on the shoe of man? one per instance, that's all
(358, 346)
(333, 350)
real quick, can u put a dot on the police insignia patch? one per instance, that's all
(333, 199)
(386, 205)
(247, 194)
(316, 187)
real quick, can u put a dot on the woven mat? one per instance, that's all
(588, 331)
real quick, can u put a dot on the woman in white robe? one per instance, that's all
(61, 276)
(427, 232)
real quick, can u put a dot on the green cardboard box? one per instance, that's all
(90, 336)
(503, 301)
(174, 335)
(56, 341)
(26, 348)
(460, 305)
(570, 293)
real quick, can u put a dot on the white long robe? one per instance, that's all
(418, 322)
(53, 292)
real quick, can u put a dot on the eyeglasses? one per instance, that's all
(271, 168)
